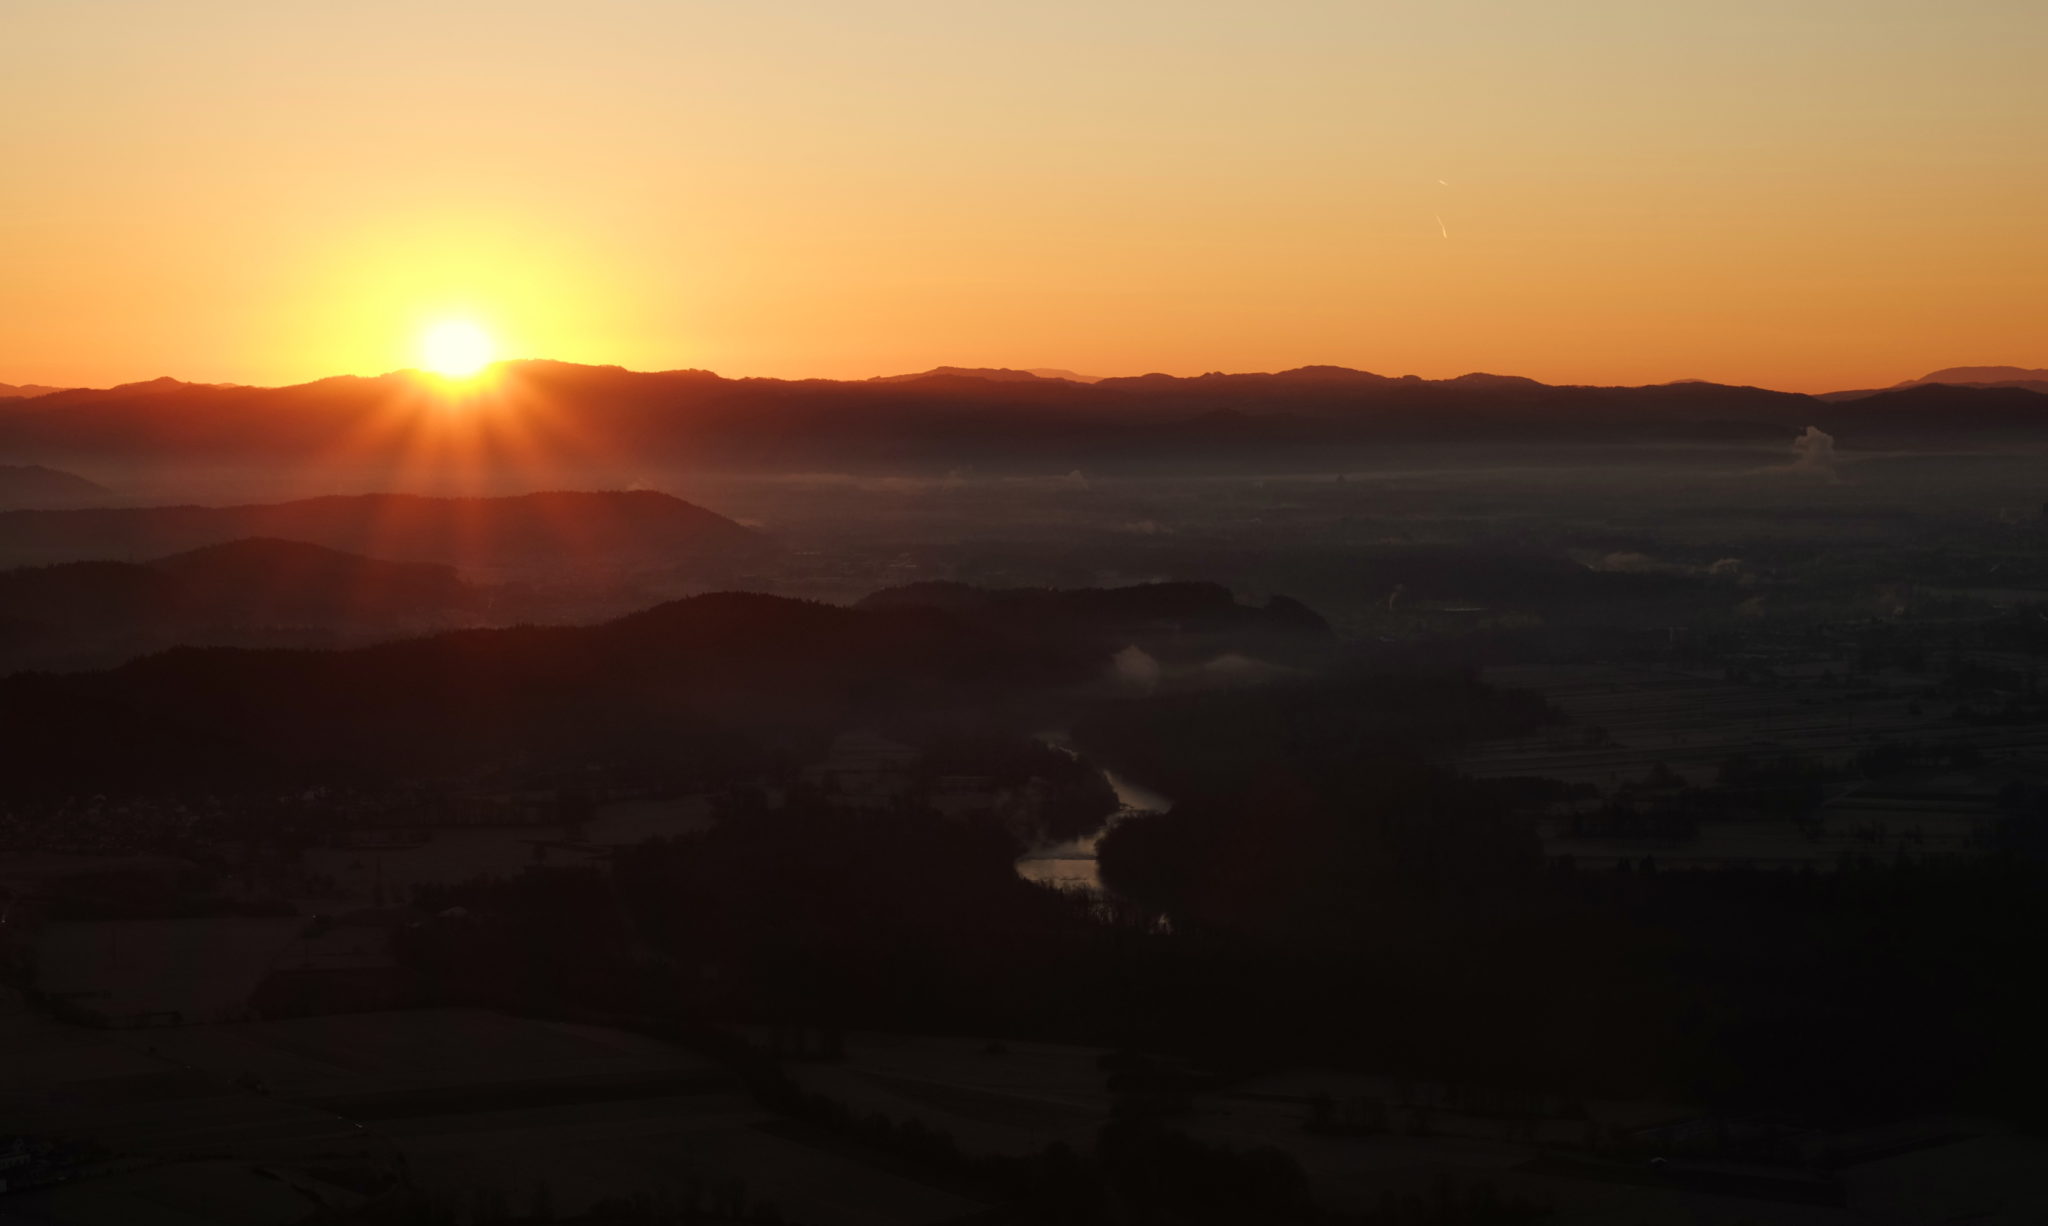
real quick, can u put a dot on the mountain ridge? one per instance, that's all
(556, 526)
(607, 418)
(31, 486)
(27, 391)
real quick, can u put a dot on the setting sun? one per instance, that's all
(457, 348)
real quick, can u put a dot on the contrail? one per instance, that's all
(1440, 224)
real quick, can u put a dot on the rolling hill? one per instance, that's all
(82, 614)
(32, 485)
(560, 528)
(763, 669)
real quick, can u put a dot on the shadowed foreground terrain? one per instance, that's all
(1579, 835)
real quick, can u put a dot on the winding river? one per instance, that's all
(1071, 865)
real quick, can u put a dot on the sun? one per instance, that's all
(456, 348)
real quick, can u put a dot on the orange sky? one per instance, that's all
(1807, 194)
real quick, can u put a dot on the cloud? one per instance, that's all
(1134, 667)
(1814, 452)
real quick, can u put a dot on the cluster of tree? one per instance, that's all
(1070, 797)
(1301, 930)
(1204, 741)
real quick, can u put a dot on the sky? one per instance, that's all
(1805, 194)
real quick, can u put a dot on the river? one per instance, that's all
(1071, 865)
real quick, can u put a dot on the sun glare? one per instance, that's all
(456, 348)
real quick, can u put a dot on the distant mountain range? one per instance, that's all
(993, 374)
(560, 529)
(608, 419)
(25, 390)
(148, 387)
(1961, 376)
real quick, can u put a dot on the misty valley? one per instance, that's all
(1424, 826)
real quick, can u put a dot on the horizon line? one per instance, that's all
(944, 370)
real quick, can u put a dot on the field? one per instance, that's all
(472, 1105)
(479, 1101)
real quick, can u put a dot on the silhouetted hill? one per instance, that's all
(162, 385)
(26, 391)
(1925, 408)
(561, 417)
(760, 668)
(605, 416)
(1998, 376)
(1974, 376)
(87, 595)
(82, 613)
(990, 373)
(289, 582)
(561, 528)
(248, 582)
(32, 485)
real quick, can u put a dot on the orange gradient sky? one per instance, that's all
(1807, 194)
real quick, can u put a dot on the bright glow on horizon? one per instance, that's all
(456, 348)
(1802, 194)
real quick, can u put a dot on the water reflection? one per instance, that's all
(1071, 865)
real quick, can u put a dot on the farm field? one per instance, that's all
(477, 1103)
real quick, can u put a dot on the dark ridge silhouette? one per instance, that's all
(1996, 375)
(26, 391)
(995, 420)
(32, 485)
(1919, 409)
(991, 374)
(943, 419)
(162, 385)
(643, 686)
(559, 527)
(85, 613)
(263, 580)
(1964, 376)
